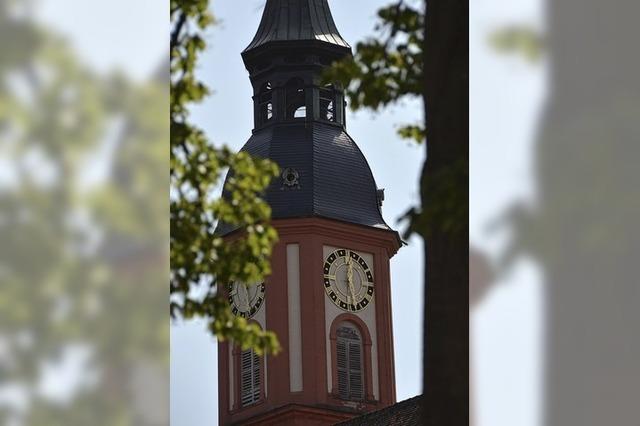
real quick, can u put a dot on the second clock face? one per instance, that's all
(246, 299)
(348, 280)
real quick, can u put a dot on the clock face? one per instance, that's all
(348, 280)
(246, 299)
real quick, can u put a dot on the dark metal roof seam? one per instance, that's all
(341, 41)
(306, 28)
(300, 24)
(262, 28)
(315, 21)
(322, 19)
(330, 29)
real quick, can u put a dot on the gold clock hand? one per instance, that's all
(350, 280)
(353, 294)
(244, 296)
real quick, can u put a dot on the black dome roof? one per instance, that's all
(297, 20)
(334, 180)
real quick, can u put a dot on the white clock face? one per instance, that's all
(348, 280)
(246, 299)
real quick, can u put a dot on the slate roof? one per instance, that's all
(335, 180)
(405, 413)
(291, 20)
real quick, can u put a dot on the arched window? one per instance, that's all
(265, 103)
(300, 112)
(295, 99)
(250, 377)
(349, 362)
(327, 104)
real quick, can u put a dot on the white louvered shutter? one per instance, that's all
(355, 371)
(343, 369)
(349, 364)
(256, 377)
(249, 377)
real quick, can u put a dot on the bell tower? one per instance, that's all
(329, 296)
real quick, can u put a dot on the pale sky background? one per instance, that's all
(506, 96)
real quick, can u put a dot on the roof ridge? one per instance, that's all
(395, 407)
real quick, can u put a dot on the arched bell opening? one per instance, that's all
(295, 99)
(328, 103)
(266, 110)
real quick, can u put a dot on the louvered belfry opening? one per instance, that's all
(250, 378)
(295, 99)
(265, 103)
(327, 104)
(349, 363)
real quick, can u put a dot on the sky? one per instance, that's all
(506, 95)
(506, 98)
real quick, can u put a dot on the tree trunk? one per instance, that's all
(444, 221)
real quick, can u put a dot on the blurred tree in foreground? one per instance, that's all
(422, 52)
(580, 227)
(200, 261)
(519, 39)
(80, 248)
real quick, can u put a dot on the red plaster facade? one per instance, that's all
(315, 405)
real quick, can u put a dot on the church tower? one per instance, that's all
(329, 296)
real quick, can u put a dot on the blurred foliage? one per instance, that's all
(389, 66)
(80, 251)
(202, 262)
(532, 45)
(519, 39)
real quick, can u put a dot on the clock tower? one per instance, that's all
(329, 296)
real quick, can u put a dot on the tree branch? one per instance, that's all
(175, 34)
